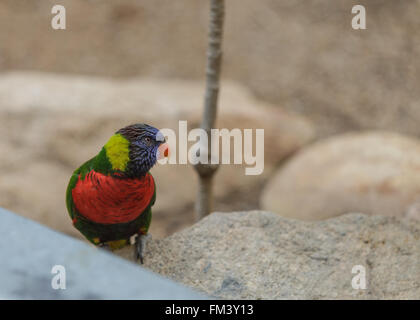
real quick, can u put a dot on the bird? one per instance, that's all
(109, 198)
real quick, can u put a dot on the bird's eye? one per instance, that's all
(147, 140)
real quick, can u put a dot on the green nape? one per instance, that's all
(118, 152)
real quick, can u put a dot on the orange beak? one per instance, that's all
(163, 151)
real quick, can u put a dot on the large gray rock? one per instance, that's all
(260, 255)
(370, 172)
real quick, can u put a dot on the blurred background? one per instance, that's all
(340, 107)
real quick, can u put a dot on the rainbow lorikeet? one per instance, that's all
(109, 198)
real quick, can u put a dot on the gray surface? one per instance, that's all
(28, 251)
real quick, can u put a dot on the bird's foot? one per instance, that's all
(140, 246)
(105, 246)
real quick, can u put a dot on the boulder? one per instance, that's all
(53, 123)
(260, 255)
(377, 173)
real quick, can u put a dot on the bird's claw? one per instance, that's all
(104, 246)
(140, 246)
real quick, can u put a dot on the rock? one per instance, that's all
(260, 255)
(33, 256)
(54, 123)
(413, 211)
(377, 173)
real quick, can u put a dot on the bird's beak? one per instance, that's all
(163, 151)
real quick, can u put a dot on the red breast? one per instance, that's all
(109, 200)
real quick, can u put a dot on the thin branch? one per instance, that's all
(204, 204)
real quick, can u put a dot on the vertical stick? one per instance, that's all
(214, 59)
(204, 204)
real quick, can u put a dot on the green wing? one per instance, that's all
(82, 170)
(99, 163)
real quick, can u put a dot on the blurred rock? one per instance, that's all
(33, 253)
(53, 123)
(413, 211)
(259, 255)
(302, 55)
(377, 173)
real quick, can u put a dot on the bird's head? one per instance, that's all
(135, 149)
